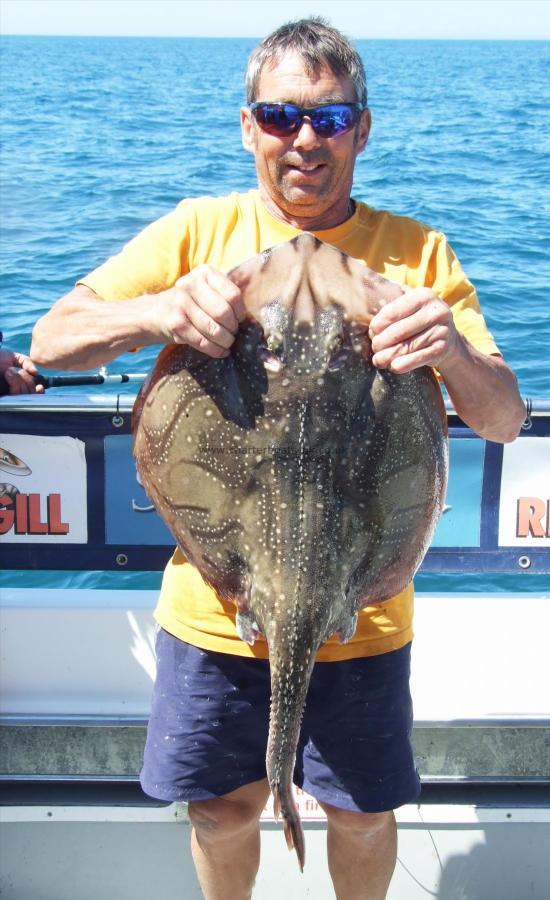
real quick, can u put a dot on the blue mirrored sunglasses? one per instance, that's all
(282, 119)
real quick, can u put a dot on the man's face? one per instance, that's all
(303, 178)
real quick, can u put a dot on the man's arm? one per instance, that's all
(83, 331)
(416, 330)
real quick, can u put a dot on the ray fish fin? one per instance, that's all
(247, 627)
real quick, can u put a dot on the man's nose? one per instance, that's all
(306, 138)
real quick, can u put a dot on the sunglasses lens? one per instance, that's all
(282, 119)
(277, 118)
(331, 120)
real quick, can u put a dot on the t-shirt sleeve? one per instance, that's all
(151, 262)
(448, 280)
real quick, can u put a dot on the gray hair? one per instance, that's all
(317, 43)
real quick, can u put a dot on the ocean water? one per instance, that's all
(99, 136)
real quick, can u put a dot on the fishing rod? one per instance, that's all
(49, 381)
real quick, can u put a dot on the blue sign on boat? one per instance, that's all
(462, 511)
(130, 517)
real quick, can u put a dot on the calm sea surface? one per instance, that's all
(102, 135)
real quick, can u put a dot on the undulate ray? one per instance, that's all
(302, 482)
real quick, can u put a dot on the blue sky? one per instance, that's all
(254, 18)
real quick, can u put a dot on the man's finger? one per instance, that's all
(414, 300)
(26, 363)
(232, 295)
(195, 339)
(214, 294)
(403, 330)
(17, 383)
(208, 327)
(223, 284)
(428, 347)
(403, 364)
(396, 310)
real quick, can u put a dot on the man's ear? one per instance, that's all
(363, 131)
(247, 130)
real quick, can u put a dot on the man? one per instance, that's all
(206, 740)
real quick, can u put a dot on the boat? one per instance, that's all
(78, 666)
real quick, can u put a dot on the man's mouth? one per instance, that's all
(306, 168)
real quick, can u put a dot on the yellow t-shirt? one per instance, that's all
(223, 232)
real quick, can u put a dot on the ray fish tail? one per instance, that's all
(290, 676)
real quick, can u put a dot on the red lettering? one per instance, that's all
(7, 513)
(56, 526)
(21, 513)
(36, 526)
(530, 514)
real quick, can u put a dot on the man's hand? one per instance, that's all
(203, 309)
(416, 329)
(18, 370)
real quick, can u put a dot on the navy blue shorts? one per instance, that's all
(207, 733)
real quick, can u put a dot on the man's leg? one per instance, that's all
(362, 850)
(358, 762)
(225, 842)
